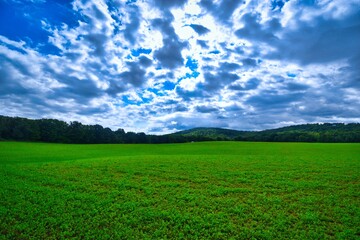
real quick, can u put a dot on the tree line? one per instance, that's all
(56, 131)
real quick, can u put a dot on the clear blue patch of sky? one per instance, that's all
(168, 85)
(192, 64)
(292, 75)
(189, 75)
(214, 52)
(27, 17)
(137, 52)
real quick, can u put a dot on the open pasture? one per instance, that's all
(213, 190)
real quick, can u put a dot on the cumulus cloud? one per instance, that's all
(200, 29)
(169, 55)
(161, 66)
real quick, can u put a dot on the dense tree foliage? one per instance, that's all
(51, 130)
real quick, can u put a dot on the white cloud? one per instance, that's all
(271, 83)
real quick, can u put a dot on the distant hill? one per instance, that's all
(212, 133)
(326, 132)
(52, 130)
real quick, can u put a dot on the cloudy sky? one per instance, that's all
(159, 66)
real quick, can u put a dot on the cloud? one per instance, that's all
(169, 55)
(273, 100)
(249, 62)
(223, 10)
(168, 65)
(253, 30)
(131, 28)
(164, 4)
(206, 109)
(322, 41)
(250, 84)
(199, 29)
(9, 84)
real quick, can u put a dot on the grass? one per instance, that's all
(215, 190)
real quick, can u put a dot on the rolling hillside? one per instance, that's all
(327, 132)
(52, 130)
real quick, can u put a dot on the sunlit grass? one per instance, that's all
(217, 190)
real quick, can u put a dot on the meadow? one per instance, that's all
(212, 190)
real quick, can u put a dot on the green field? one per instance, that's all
(214, 190)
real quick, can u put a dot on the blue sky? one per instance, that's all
(161, 66)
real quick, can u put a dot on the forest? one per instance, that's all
(56, 131)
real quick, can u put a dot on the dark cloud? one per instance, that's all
(181, 108)
(169, 55)
(199, 29)
(85, 110)
(82, 90)
(326, 111)
(144, 61)
(214, 82)
(206, 109)
(164, 4)
(202, 43)
(234, 108)
(324, 43)
(273, 100)
(9, 83)
(97, 43)
(251, 84)
(218, 78)
(131, 29)
(21, 66)
(353, 73)
(135, 76)
(98, 14)
(226, 8)
(223, 10)
(292, 86)
(187, 95)
(229, 66)
(249, 62)
(255, 31)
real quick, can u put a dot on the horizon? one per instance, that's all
(194, 128)
(162, 66)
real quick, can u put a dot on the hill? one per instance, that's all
(326, 132)
(52, 130)
(211, 133)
